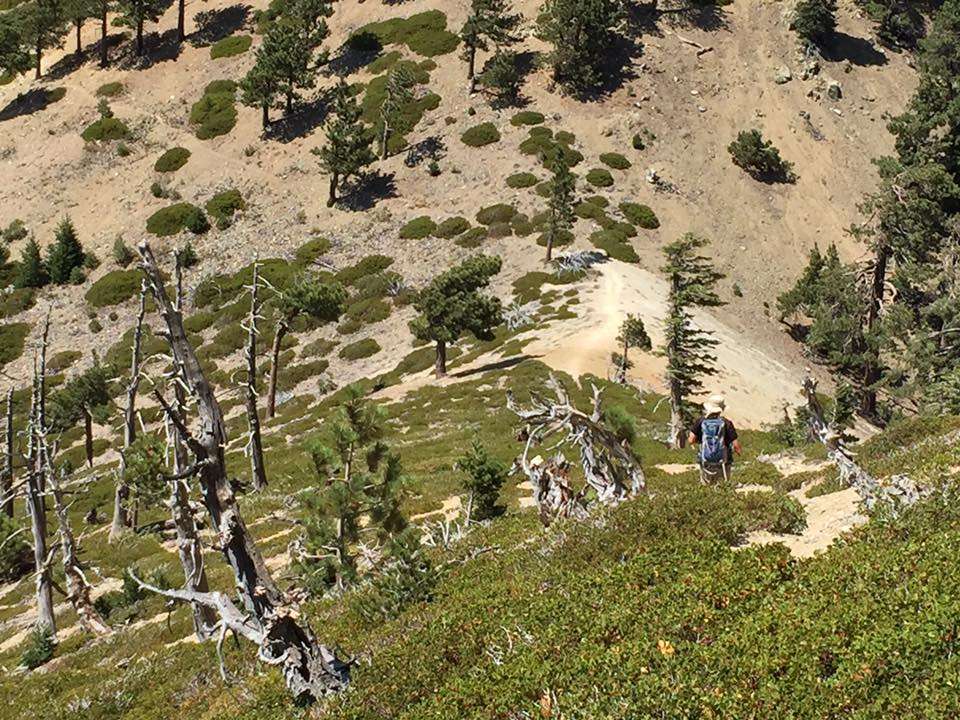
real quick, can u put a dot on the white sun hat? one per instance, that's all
(714, 405)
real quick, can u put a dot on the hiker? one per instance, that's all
(717, 438)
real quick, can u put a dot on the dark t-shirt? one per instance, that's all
(729, 434)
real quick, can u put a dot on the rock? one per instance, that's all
(782, 75)
(834, 90)
(811, 68)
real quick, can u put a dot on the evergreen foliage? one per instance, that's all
(760, 158)
(488, 22)
(31, 272)
(398, 93)
(65, 254)
(16, 555)
(815, 20)
(633, 334)
(484, 478)
(584, 35)
(40, 647)
(560, 212)
(347, 151)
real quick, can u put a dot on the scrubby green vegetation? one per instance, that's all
(12, 338)
(616, 244)
(176, 218)
(110, 89)
(480, 135)
(499, 213)
(424, 33)
(418, 228)
(615, 160)
(527, 117)
(451, 227)
(599, 177)
(105, 129)
(222, 206)
(521, 180)
(230, 46)
(114, 288)
(215, 113)
(760, 158)
(172, 160)
(359, 350)
(404, 112)
(16, 301)
(640, 215)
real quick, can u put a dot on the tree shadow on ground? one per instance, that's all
(859, 51)
(504, 364)
(350, 61)
(214, 25)
(70, 62)
(617, 73)
(525, 65)
(652, 18)
(431, 148)
(157, 48)
(304, 119)
(30, 102)
(366, 192)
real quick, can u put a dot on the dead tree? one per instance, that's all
(122, 518)
(36, 506)
(254, 444)
(189, 549)
(609, 469)
(310, 669)
(7, 477)
(78, 588)
(894, 494)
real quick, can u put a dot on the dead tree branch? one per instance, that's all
(254, 443)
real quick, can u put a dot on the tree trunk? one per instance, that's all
(871, 367)
(88, 436)
(266, 116)
(121, 515)
(6, 487)
(289, 108)
(36, 506)
(274, 361)
(332, 199)
(39, 50)
(181, 22)
(440, 366)
(471, 69)
(104, 28)
(678, 437)
(79, 50)
(384, 136)
(310, 669)
(255, 446)
(549, 245)
(140, 38)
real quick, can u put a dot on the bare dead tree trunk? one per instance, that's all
(122, 518)
(254, 444)
(471, 69)
(36, 507)
(181, 22)
(678, 438)
(6, 487)
(871, 368)
(78, 588)
(440, 364)
(282, 327)
(310, 669)
(88, 435)
(104, 7)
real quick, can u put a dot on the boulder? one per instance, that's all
(782, 75)
(834, 90)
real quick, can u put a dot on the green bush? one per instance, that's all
(222, 206)
(562, 239)
(527, 117)
(311, 251)
(599, 177)
(176, 218)
(367, 266)
(774, 512)
(172, 160)
(384, 63)
(110, 89)
(230, 46)
(114, 288)
(499, 213)
(588, 210)
(640, 215)
(500, 230)
(16, 301)
(521, 180)
(359, 350)
(40, 646)
(418, 228)
(424, 33)
(480, 135)
(760, 158)
(12, 338)
(616, 245)
(615, 160)
(106, 128)
(215, 113)
(16, 555)
(16, 230)
(472, 238)
(451, 227)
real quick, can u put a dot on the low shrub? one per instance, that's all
(12, 339)
(562, 239)
(319, 348)
(480, 135)
(40, 646)
(16, 230)
(215, 113)
(312, 250)
(175, 218)
(616, 245)
(451, 227)
(424, 33)
(588, 211)
(499, 213)
(774, 512)
(172, 160)
(521, 180)
(418, 228)
(114, 288)
(361, 349)
(110, 89)
(384, 63)
(472, 238)
(615, 160)
(499, 230)
(230, 46)
(16, 555)
(222, 206)
(16, 301)
(104, 129)
(599, 177)
(760, 158)
(640, 215)
(527, 117)
(367, 266)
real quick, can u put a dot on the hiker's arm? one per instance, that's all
(736, 447)
(691, 439)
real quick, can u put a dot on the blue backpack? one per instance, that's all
(713, 449)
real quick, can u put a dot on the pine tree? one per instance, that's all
(306, 296)
(85, 397)
(583, 34)
(30, 270)
(359, 484)
(259, 88)
(633, 334)
(134, 13)
(14, 48)
(489, 21)
(815, 20)
(78, 12)
(398, 93)
(43, 25)
(104, 7)
(485, 476)
(452, 305)
(65, 254)
(560, 215)
(688, 350)
(347, 150)
(502, 77)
